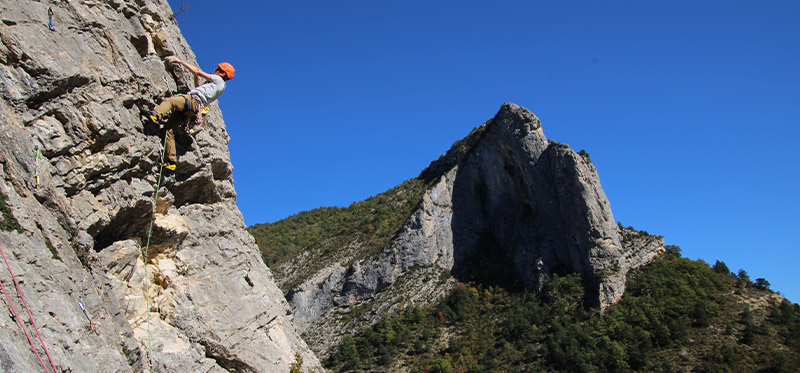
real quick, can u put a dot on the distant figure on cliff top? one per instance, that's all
(187, 110)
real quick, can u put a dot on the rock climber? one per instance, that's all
(184, 109)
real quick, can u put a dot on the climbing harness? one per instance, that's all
(50, 15)
(19, 320)
(146, 251)
(36, 165)
(193, 125)
(197, 123)
(80, 303)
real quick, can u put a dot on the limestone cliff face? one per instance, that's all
(71, 93)
(504, 199)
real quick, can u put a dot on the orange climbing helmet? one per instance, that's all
(227, 69)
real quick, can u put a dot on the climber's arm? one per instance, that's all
(196, 71)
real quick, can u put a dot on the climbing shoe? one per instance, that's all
(149, 115)
(170, 166)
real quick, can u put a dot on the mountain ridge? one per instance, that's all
(494, 192)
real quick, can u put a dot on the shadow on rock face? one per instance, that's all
(126, 223)
(514, 219)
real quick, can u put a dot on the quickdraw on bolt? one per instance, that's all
(50, 15)
(80, 303)
(168, 93)
(36, 165)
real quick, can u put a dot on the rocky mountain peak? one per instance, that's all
(517, 119)
(536, 206)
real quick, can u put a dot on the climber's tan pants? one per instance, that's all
(175, 108)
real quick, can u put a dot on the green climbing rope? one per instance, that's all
(146, 252)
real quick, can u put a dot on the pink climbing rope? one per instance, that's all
(24, 303)
(16, 316)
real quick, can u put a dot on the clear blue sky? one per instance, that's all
(689, 109)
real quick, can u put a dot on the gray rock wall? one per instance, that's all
(202, 299)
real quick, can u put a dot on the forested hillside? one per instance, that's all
(677, 315)
(364, 227)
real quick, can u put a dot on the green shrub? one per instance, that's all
(52, 249)
(585, 155)
(762, 283)
(441, 366)
(8, 222)
(721, 268)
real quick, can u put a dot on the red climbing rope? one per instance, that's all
(24, 303)
(16, 316)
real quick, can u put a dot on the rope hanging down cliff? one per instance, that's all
(19, 320)
(146, 252)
